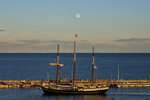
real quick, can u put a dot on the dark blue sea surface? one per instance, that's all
(35, 66)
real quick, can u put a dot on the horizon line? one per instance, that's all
(72, 52)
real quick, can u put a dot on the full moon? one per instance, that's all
(77, 15)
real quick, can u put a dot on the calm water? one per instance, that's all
(112, 94)
(34, 66)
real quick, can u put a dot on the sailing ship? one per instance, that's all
(74, 88)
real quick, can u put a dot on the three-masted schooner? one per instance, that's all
(74, 88)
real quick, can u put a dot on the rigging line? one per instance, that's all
(42, 73)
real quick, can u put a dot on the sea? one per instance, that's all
(35, 66)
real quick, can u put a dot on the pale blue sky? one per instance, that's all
(37, 25)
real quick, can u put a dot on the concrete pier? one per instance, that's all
(78, 82)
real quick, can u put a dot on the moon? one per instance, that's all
(78, 15)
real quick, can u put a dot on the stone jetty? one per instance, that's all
(78, 82)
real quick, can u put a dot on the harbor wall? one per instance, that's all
(38, 83)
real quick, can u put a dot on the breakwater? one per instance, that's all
(78, 82)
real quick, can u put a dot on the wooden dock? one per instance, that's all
(78, 82)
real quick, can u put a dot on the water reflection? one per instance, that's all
(76, 97)
(111, 94)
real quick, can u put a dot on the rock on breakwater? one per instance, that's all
(79, 82)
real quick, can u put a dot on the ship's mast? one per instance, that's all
(57, 65)
(118, 73)
(57, 68)
(74, 59)
(93, 65)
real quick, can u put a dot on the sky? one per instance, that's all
(36, 26)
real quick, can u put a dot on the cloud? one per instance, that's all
(128, 47)
(61, 42)
(34, 41)
(67, 42)
(133, 40)
(27, 46)
(2, 30)
(67, 46)
(84, 40)
(36, 45)
(4, 43)
(10, 44)
(133, 45)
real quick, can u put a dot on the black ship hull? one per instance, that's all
(72, 92)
